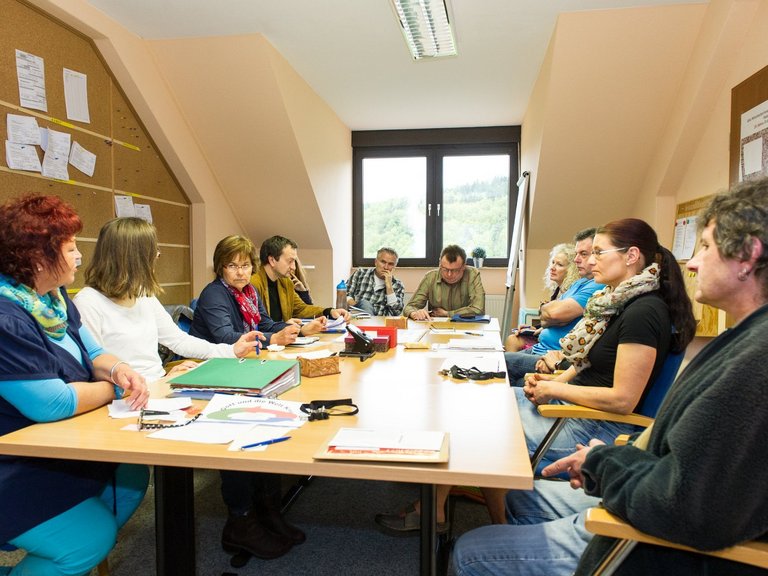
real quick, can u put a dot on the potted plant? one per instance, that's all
(478, 255)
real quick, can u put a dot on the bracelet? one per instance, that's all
(112, 370)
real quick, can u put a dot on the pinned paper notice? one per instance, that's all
(143, 211)
(57, 155)
(82, 159)
(30, 70)
(23, 129)
(76, 95)
(22, 157)
(124, 207)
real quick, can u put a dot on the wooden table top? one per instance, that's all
(399, 389)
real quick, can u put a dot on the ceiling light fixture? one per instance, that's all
(426, 27)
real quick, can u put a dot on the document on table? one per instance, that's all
(396, 445)
(472, 344)
(238, 409)
(121, 409)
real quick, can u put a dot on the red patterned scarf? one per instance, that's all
(248, 301)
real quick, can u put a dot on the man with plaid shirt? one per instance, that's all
(376, 290)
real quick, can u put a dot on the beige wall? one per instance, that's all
(628, 117)
(678, 144)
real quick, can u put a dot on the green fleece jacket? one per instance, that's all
(702, 480)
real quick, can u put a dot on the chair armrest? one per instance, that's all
(621, 440)
(600, 521)
(575, 411)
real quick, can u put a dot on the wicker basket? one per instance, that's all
(314, 367)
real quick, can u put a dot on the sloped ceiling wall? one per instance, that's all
(280, 154)
(601, 109)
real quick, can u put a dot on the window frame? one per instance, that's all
(434, 145)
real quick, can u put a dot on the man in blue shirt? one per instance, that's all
(557, 316)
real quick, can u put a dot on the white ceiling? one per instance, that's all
(353, 54)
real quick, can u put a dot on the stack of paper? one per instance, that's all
(398, 445)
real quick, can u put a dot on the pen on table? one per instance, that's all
(155, 413)
(265, 442)
(474, 333)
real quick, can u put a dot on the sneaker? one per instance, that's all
(405, 523)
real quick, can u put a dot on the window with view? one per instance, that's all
(419, 198)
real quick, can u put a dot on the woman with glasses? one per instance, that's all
(120, 308)
(64, 514)
(619, 346)
(228, 307)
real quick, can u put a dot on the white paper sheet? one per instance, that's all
(76, 96)
(57, 155)
(30, 71)
(121, 409)
(82, 159)
(201, 432)
(143, 211)
(124, 206)
(392, 439)
(235, 409)
(23, 129)
(22, 157)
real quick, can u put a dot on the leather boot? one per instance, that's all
(245, 533)
(271, 519)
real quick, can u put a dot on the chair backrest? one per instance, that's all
(661, 384)
(182, 316)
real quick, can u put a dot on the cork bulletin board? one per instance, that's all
(710, 320)
(749, 128)
(127, 161)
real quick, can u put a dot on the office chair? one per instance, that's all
(643, 417)
(182, 316)
(601, 522)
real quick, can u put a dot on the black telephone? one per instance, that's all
(363, 346)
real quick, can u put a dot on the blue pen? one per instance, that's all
(265, 442)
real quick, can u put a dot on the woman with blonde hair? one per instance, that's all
(119, 304)
(558, 278)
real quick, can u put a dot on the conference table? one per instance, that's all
(400, 389)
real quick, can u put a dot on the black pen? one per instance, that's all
(266, 442)
(156, 413)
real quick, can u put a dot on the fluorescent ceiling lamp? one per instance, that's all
(426, 27)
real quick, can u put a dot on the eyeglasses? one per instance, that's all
(142, 425)
(450, 271)
(238, 268)
(598, 253)
(322, 409)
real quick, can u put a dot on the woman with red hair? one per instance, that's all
(64, 513)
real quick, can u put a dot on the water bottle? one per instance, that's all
(341, 295)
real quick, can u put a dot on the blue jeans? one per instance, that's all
(75, 541)
(365, 306)
(575, 431)
(519, 364)
(545, 535)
